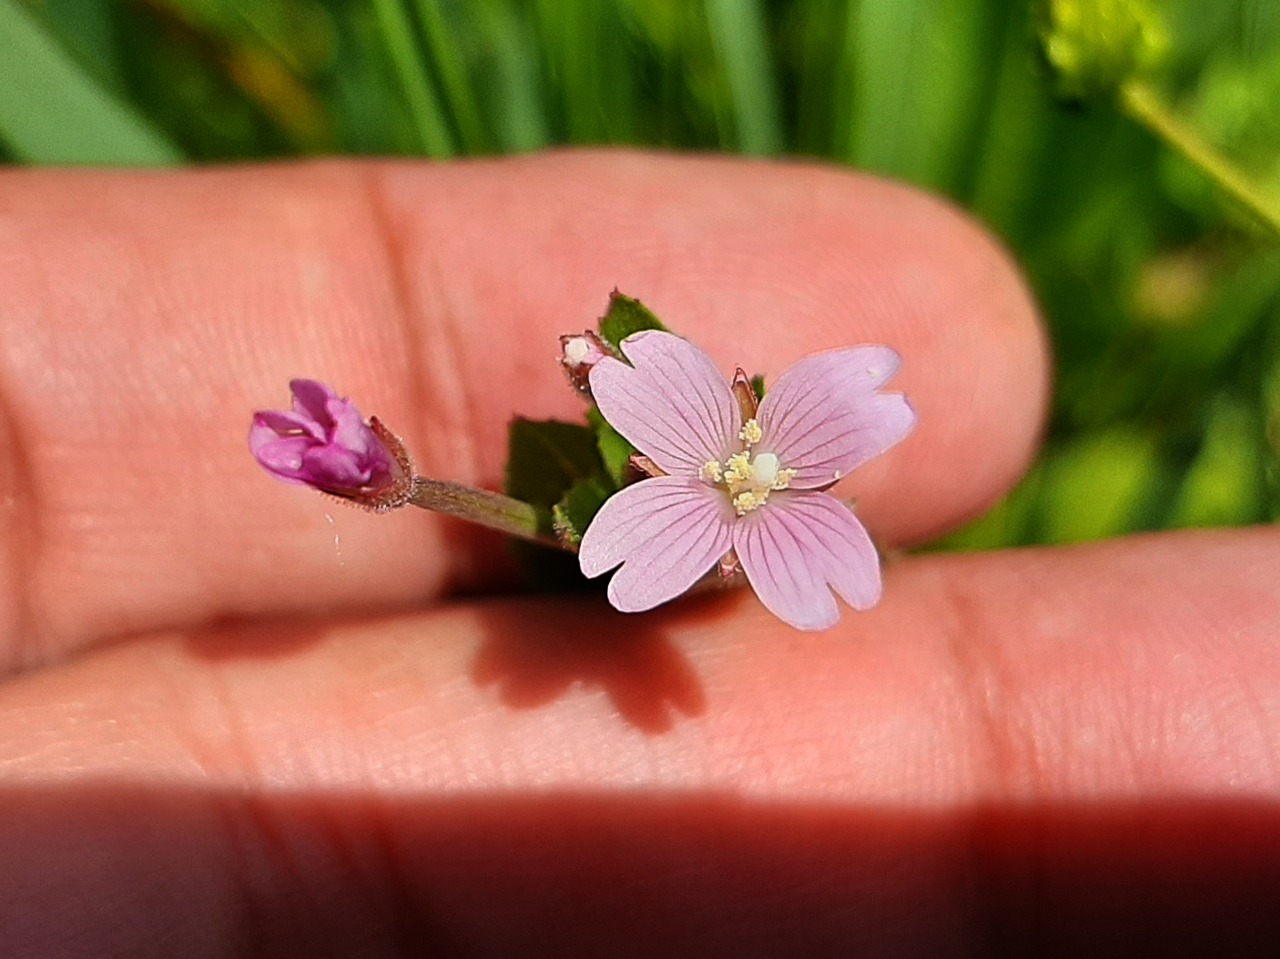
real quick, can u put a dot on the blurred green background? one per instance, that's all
(1162, 292)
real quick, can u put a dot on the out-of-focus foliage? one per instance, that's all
(1161, 295)
(1096, 45)
(52, 109)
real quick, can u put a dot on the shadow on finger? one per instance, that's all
(98, 867)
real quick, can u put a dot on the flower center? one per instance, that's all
(748, 478)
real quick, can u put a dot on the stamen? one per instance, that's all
(748, 479)
(738, 471)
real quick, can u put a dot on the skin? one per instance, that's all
(239, 719)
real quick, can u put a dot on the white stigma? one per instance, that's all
(764, 470)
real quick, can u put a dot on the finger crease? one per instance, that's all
(19, 531)
(438, 390)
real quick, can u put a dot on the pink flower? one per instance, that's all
(324, 442)
(754, 487)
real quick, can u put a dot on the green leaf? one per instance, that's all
(574, 513)
(757, 385)
(546, 457)
(912, 116)
(53, 111)
(1099, 484)
(448, 55)
(556, 467)
(1224, 485)
(624, 317)
(614, 449)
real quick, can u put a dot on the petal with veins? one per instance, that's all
(671, 403)
(667, 532)
(824, 418)
(798, 549)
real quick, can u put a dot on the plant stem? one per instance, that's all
(1145, 105)
(502, 513)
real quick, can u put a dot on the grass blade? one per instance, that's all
(425, 111)
(920, 68)
(741, 44)
(53, 111)
(446, 52)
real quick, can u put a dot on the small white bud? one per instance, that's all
(576, 351)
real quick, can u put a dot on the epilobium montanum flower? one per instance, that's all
(324, 443)
(751, 484)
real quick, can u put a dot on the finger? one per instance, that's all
(1058, 752)
(146, 315)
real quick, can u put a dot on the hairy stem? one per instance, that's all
(502, 513)
(1145, 105)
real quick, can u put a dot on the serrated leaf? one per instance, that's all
(53, 111)
(624, 317)
(574, 513)
(546, 457)
(615, 451)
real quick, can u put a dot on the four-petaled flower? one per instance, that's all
(324, 443)
(754, 487)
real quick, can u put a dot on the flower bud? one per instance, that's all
(579, 352)
(1096, 45)
(324, 443)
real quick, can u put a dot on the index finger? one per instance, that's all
(146, 315)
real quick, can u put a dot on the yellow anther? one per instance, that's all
(750, 432)
(751, 499)
(738, 469)
(711, 472)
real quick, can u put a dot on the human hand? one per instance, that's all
(241, 720)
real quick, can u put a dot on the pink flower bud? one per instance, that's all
(324, 443)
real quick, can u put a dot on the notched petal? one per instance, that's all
(671, 402)
(666, 532)
(824, 417)
(800, 548)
